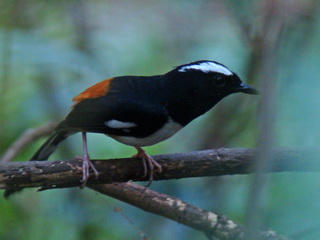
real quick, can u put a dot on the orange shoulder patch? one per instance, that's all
(98, 90)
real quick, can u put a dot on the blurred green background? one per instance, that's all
(52, 50)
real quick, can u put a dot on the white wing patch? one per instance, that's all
(169, 129)
(207, 67)
(118, 124)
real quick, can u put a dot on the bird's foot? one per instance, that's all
(148, 162)
(86, 165)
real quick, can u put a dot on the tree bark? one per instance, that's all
(210, 223)
(63, 174)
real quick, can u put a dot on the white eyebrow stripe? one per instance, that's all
(207, 67)
(118, 124)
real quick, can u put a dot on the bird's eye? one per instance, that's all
(219, 81)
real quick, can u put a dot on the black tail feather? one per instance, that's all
(50, 146)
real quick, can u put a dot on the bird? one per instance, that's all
(142, 111)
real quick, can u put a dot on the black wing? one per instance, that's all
(131, 117)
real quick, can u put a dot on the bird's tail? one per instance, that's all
(50, 146)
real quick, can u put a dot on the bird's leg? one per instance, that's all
(145, 169)
(86, 164)
(147, 160)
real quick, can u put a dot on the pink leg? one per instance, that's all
(147, 160)
(145, 169)
(86, 164)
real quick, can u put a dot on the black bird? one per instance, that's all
(144, 110)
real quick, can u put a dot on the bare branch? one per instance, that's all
(218, 162)
(26, 138)
(62, 174)
(164, 205)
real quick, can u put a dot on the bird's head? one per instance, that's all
(211, 78)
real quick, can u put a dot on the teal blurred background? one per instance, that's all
(52, 50)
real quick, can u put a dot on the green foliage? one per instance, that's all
(52, 50)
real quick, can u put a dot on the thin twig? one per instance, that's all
(27, 137)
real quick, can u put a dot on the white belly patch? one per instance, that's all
(169, 129)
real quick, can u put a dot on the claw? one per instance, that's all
(145, 170)
(152, 164)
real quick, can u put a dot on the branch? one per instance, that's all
(63, 174)
(28, 136)
(60, 174)
(182, 212)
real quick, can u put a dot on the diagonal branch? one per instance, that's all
(28, 136)
(182, 212)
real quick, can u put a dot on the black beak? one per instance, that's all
(245, 88)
